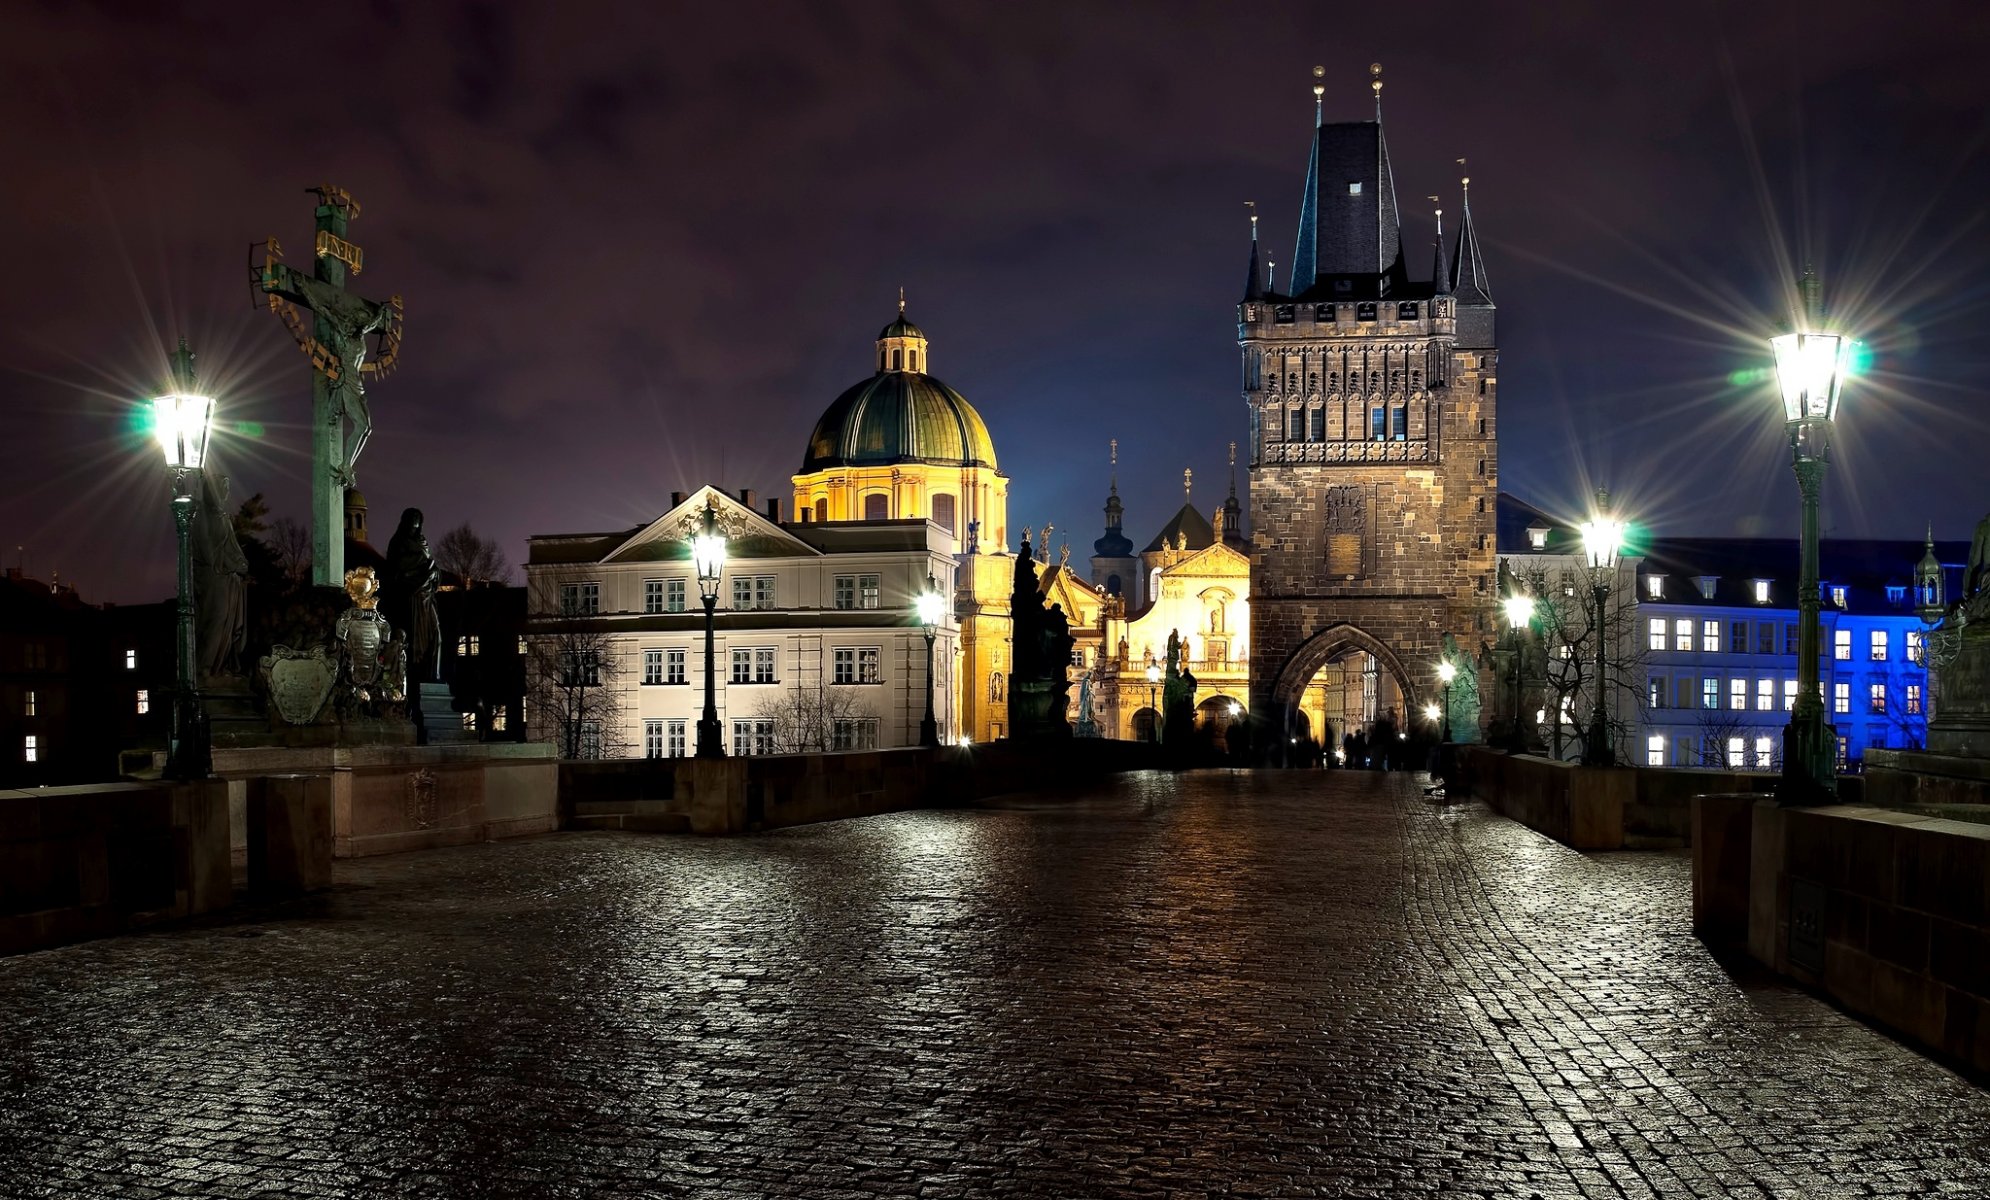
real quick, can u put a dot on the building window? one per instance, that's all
(673, 733)
(1737, 637)
(1896, 594)
(1655, 750)
(580, 668)
(856, 664)
(846, 591)
(580, 599)
(1399, 424)
(1765, 695)
(590, 739)
(1682, 634)
(1655, 691)
(497, 719)
(1710, 637)
(652, 668)
(28, 703)
(1916, 646)
(1761, 591)
(753, 591)
(1537, 537)
(1790, 642)
(943, 512)
(754, 665)
(1913, 699)
(1841, 697)
(144, 703)
(877, 507)
(1765, 753)
(1765, 638)
(462, 647)
(472, 639)
(1353, 189)
(1841, 645)
(1710, 693)
(752, 737)
(1707, 583)
(673, 595)
(1844, 748)
(653, 739)
(1737, 694)
(469, 722)
(30, 749)
(521, 645)
(1737, 753)
(1876, 698)
(1838, 595)
(859, 733)
(1655, 587)
(652, 600)
(673, 665)
(131, 660)
(1378, 424)
(1878, 645)
(1655, 633)
(1789, 695)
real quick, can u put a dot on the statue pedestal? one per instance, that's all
(1961, 724)
(436, 721)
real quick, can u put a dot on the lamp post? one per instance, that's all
(181, 420)
(1519, 614)
(1446, 672)
(1602, 535)
(708, 552)
(1153, 680)
(931, 606)
(1810, 369)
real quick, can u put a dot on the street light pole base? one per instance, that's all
(711, 744)
(929, 733)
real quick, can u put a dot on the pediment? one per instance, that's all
(748, 533)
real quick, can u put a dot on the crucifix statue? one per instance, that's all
(336, 341)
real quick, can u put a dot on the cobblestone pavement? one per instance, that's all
(1237, 984)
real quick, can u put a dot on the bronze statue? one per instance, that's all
(409, 597)
(220, 580)
(372, 664)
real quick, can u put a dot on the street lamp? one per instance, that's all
(1519, 615)
(1810, 367)
(1446, 672)
(708, 553)
(182, 420)
(932, 606)
(1154, 724)
(1602, 535)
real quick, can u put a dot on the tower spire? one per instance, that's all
(1375, 85)
(1440, 271)
(901, 299)
(1115, 466)
(1468, 267)
(1305, 252)
(1252, 288)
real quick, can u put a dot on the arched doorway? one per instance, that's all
(1146, 725)
(1341, 680)
(1215, 719)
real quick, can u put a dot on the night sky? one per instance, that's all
(644, 245)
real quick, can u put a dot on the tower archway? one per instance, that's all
(1341, 678)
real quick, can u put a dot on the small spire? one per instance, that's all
(1188, 479)
(1115, 466)
(1252, 288)
(183, 376)
(1271, 275)
(1319, 93)
(901, 300)
(1375, 85)
(1440, 213)
(1468, 266)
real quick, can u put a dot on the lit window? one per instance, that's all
(1655, 750)
(1765, 753)
(1707, 583)
(1537, 537)
(1916, 646)
(1655, 691)
(1841, 645)
(30, 749)
(1710, 693)
(1682, 634)
(473, 645)
(462, 646)
(1841, 697)
(1655, 633)
(1354, 187)
(28, 703)
(131, 660)
(1789, 695)
(1761, 591)
(144, 701)
(521, 643)
(1655, 587)
(497, 719)
(1878, 645)
(1876, 698)
(652, 669)
(1913, 699)
(1737, 694)
(1844, 745)
(868, 591)
(1838, 595)
(1737, 753)
(469, 722)
(1765, 695)
(1710, 637)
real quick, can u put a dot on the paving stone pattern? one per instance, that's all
(1248, 984)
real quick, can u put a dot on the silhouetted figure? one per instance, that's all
(409, 598)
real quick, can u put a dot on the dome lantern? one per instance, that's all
(901, 344)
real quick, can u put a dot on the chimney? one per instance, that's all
(676, 498)
(774, 510)
(746, 497)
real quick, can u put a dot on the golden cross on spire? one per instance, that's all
(901, 300)
(1375, 85)
(1115, 452)
(1188, 477)
(1233, 454)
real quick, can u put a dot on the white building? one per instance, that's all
(817, 643)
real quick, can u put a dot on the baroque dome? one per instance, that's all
(899, 417)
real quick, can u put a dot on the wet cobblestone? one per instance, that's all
(1270, 984)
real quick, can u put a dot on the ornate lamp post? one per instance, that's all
(1446, 672)
(1153, 681)
(1602, 535)
(708, 552)
(1810, 369)
(932, 606)
(181, 420)
(1519, 615)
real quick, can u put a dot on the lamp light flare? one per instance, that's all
(1809, 369)
(1446, 671)
(181, 422)
(1602, 537)
(1432, 711)
(1519, 610)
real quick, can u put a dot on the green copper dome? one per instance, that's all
(899, 417)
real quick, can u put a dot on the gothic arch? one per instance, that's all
(1325, 646)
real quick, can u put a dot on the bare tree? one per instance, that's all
(571, 678)
(819, 718)
(1565, 614)
(290, 545)
(473, 558)
(1718, 727)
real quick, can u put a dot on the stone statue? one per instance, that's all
(1085, 728)
(1465, 706)
(1040, 639)
(1177, 696)
(1218, 523)
(220, 584)
(409, 596)
(371, 662)
(973, 538)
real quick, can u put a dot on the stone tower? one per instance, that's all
(1114, 569)
(1373, 460)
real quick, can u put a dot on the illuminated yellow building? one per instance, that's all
(902, 444)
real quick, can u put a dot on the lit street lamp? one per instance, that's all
(1519, 615)
(708, 552)
(1602, 535)
(1446, 672)
(1810, 369)
(181, 420)
(932, 606)
(1153, 680)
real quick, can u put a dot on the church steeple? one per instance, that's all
(1233, 509)
(1350, 243)
(1930, 592)
(1113, 566)
(901, 344)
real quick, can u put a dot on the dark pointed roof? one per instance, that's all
(1115, 544)
(1468, 271)
(1440, 271)
(1253, 283)
(1201, 534)
(1350, 235)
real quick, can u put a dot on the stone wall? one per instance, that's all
(86, 861)
(1600, 808)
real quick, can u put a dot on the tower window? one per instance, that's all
(1354, 187)
(1406, 311)
(822, 510)
(915, 359)
(943, 512)
(896, 356)
(1399, 424)
(877, 507)
(1377, 430)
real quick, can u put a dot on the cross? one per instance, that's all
(337, 346)
(1188, 477)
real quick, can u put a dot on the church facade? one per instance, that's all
(1374, 466)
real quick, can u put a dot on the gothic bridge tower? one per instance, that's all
(1373, 460)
